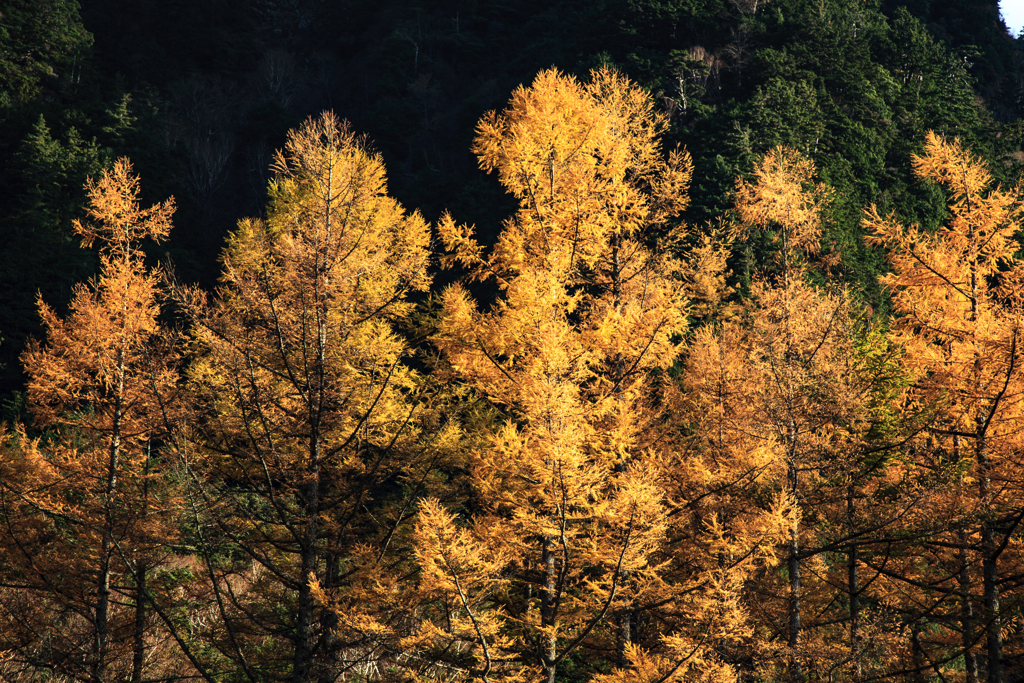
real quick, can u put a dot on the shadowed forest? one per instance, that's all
(650, 341)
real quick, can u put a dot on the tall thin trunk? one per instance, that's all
(624, 630)
(793, 472)
(966, 605)
(966, 612)
(329, 619)
(139, 635)
(101, 625)
(989, 569)
(102, 609)
(308, 548)
(620, 366)
(793, 565)
(853, 586)
(917, 651)
(993, 637)
(304, 617)
(316, 386)
(547, 609)
(624, 636)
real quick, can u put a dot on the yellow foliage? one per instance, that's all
(308, 394)
(105, 379)
(957, 295)
(595, 277)
(775, 398)
(784, 197)
(119, 221)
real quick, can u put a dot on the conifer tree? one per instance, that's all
(89, 512)
(957, 294)
(775, 399)
(562, 553)
(309, 402)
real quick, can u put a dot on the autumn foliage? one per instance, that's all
(958, 297)
(90, 509)
(595, 455)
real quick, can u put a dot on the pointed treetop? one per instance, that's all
(115, 217)
(978, 242)
(950, 165)
(784, 195)
(585, 162)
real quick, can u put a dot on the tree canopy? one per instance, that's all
(694, 357)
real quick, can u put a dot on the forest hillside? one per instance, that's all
(612, 340)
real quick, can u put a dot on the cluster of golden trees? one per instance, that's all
(616, 469)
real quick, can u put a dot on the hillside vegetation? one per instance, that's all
(624, 340)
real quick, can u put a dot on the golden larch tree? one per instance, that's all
(957, 295)
(309, 401)
(104, 382)
(593, 293)
(775, 396)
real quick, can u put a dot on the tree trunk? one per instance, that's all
(139, 635)
(624, 630)
(304, 618)
(329, 618)
(917, 652)
(624, 636)
(994, 639)
(853, 587)
(793, 564)
(107, 545)
(547, 609)
(102, 609)
(994, 642)
(966, 611)
(793, 473)
(989, 568)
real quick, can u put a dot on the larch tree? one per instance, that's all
(570, 512)
(957, 295)
(775, 398)
(785, 199)
(309, 403)
(773, 419)
(91, 512)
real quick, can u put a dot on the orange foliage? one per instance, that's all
(573, 513)
(94, 510)
(309, 403)
(959, 303)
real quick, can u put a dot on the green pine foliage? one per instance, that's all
(200, 94)
(42, 49)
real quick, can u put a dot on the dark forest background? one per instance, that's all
(199, 94)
